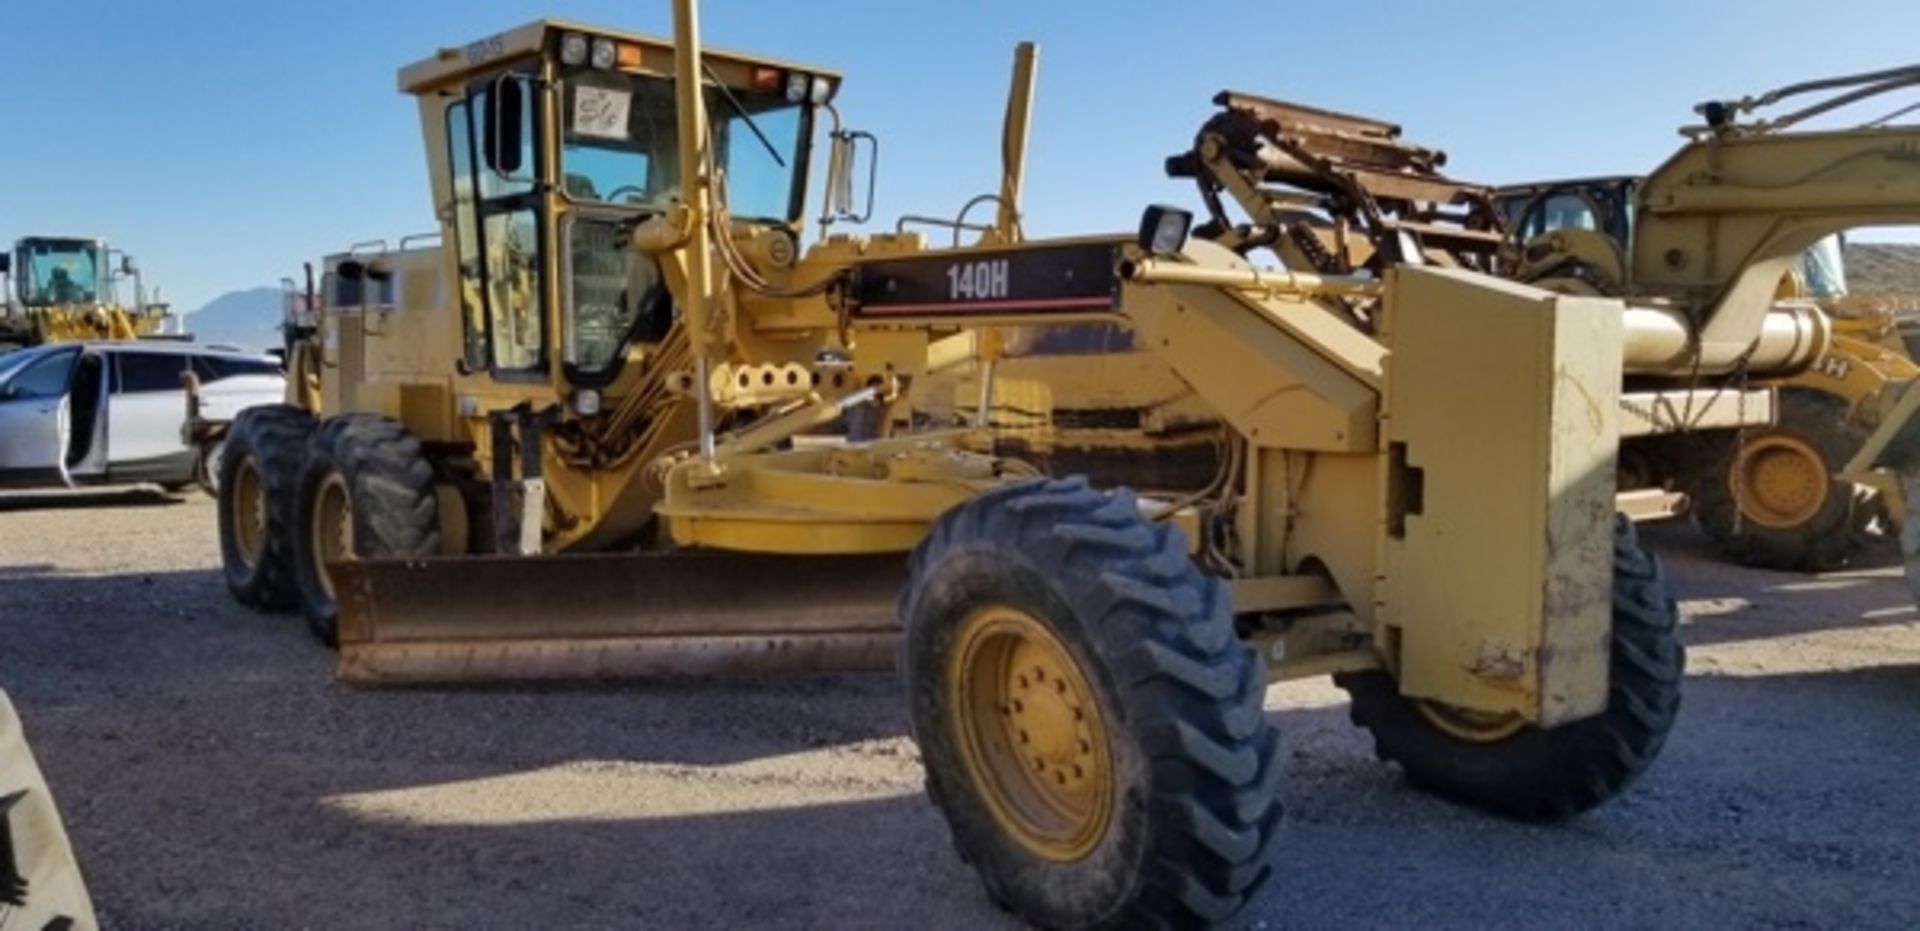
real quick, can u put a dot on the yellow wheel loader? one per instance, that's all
(1770, 497)
(624, 419)
(64, 289)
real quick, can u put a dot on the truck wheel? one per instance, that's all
(1505, 765)
(206, 467)
(366, 491)
(259, 465)
(1092, 728)
(1772, 499)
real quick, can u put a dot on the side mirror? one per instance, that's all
(126, 265)
(843, 159)
(503, 128)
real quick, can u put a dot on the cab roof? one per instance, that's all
(452, 64)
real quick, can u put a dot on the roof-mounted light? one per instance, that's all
(822, 90)
(604, 54)
(573, 49)
(797, 85)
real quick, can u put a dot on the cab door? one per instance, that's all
(33, 421)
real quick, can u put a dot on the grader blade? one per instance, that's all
(615, 615)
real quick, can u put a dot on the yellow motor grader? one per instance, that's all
(40, 884)
(64, 289)
(625, 420)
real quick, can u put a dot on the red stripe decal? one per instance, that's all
(1062, 303)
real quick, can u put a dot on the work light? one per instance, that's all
(604, 54)
(1163, 229)
(573, 49)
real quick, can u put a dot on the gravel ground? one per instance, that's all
(212, 777)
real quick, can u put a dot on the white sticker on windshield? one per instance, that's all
(601, 112)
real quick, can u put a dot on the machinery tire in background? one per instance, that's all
(1910, 529)
(365, 491)
(1771, 499)
(1503, 764)
(1091, 727)
(259, 465)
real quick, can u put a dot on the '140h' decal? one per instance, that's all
(978, 281)
(1062, 278)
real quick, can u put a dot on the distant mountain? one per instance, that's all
(248, 319)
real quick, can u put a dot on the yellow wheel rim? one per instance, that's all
(1780, 482)
(332, 528)
(1030, 733)
(1479, 727)
(249, 512)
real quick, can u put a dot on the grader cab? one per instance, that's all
(624, 419)
(64, 289)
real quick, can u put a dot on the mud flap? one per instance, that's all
(688, 613)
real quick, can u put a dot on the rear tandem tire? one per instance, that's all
(1148, 795)
(1538, 773)
(384, 487)
(260, 460)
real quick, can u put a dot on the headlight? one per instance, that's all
(822, 89)
(604, 54)
(573, 49)
(796, 87)
(586, 402)
(1163, 230)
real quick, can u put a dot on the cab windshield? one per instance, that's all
(620, 144)
(59, 271)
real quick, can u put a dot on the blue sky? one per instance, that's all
(226, 141)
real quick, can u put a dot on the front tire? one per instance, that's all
(1525, 771)
(258, 469)
(1091, 726)
(366, 492)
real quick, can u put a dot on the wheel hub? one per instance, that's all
(249, 512)
(1466, 724)
(332, 528)
(1031, 733)
(1780, 482)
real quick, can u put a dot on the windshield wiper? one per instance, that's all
(741, 111)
